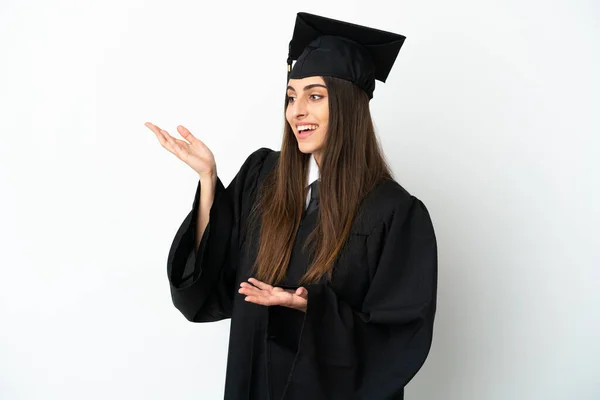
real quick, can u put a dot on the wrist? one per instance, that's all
(209, 178)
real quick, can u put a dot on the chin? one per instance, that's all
(307, 148)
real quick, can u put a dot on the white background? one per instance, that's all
(490, 116)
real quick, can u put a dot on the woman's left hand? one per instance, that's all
(264, 294)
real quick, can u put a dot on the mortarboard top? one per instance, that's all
(328, 47)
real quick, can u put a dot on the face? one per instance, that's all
(308, 113)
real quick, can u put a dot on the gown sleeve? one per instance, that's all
(202, 282)
(372, 353)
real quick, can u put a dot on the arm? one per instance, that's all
(206, 200)
(202, 272)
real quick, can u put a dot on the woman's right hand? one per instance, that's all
(191, 151)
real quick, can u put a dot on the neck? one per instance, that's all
(317, 158)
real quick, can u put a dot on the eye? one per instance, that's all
(291, 99)
(316, 96)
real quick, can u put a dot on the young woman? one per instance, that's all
(326, 266)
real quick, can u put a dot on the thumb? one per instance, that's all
(302, 292)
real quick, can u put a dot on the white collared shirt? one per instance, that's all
(313, 175)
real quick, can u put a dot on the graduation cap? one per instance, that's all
(328, 47)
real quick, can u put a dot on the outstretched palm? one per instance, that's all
(191, 151)
(264, 294)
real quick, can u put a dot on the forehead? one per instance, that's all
(299, 84)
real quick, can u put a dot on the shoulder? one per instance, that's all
(257, 160)
(388, 201)
(260, 156)
(255, 168)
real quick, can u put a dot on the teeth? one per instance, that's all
(307, 127)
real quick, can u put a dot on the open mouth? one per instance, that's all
(305, 130)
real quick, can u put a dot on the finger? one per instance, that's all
(302, 292)
(194, 142)
(254, 299)
(187, 135)
(162, 137)
(178, 147)
(260, 284)
(154, 129)
(252, 287)
(167, 136)
(265, 300)
(251, 291)
(163, 142)
(298, 303)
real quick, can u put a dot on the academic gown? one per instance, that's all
(365, 333)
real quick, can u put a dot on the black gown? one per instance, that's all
(365, 333)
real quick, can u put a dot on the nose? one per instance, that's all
(299, 109)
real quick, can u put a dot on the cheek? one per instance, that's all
(324, 113)
(324, 117)
(288, 116)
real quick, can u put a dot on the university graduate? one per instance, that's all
(325, 264)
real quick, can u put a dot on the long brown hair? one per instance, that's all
(351, 164)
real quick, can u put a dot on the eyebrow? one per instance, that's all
(308, 87)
